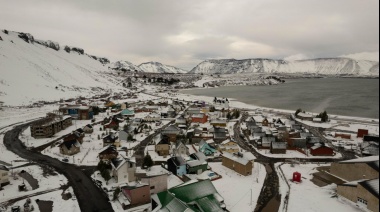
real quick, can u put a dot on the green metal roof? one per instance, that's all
(127, 112)
(192, 196)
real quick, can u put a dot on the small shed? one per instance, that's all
(296, 177)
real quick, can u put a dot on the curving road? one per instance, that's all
(90, 197)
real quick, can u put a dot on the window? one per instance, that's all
(152, 187)
(362, 201)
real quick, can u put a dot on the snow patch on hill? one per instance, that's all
(156, 67)
(31, 70)
(327, 66)
(124, 66)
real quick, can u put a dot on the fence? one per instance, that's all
(286, 198)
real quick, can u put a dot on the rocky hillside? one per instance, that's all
(33, 70)
(124, 66)
(326, 66)
(156, 67)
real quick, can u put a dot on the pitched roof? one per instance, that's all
(70, 144)
(278, 145)
(178, 160)
(3, 168)
(372, 186)
(200, 193)
(362, 160)
(239, 157)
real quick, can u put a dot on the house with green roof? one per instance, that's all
(127, 113)
(197, 196)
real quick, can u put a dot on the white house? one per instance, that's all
(3, 175)
(123, 169)
(152, 117)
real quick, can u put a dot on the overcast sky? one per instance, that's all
(183, 33)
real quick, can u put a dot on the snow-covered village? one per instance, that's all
(264, 132)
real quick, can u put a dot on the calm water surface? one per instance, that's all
(341, 96)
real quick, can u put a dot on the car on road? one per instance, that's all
(74, 197)
(65, 160)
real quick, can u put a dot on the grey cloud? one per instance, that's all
(183, 33)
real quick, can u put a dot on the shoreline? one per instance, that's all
(243, 105)
(253, 105)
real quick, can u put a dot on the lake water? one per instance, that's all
(340, 96)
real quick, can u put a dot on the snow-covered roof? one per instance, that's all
(372, 186)
(240, 159)
(152, 171)
(362, 160)
(305, 115)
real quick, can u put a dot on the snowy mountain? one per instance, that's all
(124, 65)
(33, 70)
(327, 66)
(156, 67)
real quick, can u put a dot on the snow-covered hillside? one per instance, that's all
(328, 66)
(33, 70)
(124, 66)
(156, 67)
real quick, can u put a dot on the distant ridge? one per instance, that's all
(326, 66)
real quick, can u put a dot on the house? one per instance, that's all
(113, 123)
(278, 148)
(127, 113)
(321, 150)
(171, 112)
(190, 196)
(206, 148)
(196, 166)
(365, 193)
(80, 112)
(123, 169)
(371, 138)
(357, 169)
(218, 122)
(111, 139)
(180, 121)
(156, 177)
(199, 118)
(75, 135)
(4, 180)
(237, 162)
(266, 141)
(343, 135)
(228, 146)
(297, 142)
(171, 131)
(109, 104)
(88, 129)
(108, 153)
(163, 146)
(69, 147)
(265, 122)
(137, 121)
(177, 165)
(50, 125)
(145, 109)
(305, 116)
(369, 148)
(136, 194)
(361, 133)
(193, 110)
(180, 149)
(219, 134)
(152, 117)
(198, 156)
(123, 135)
